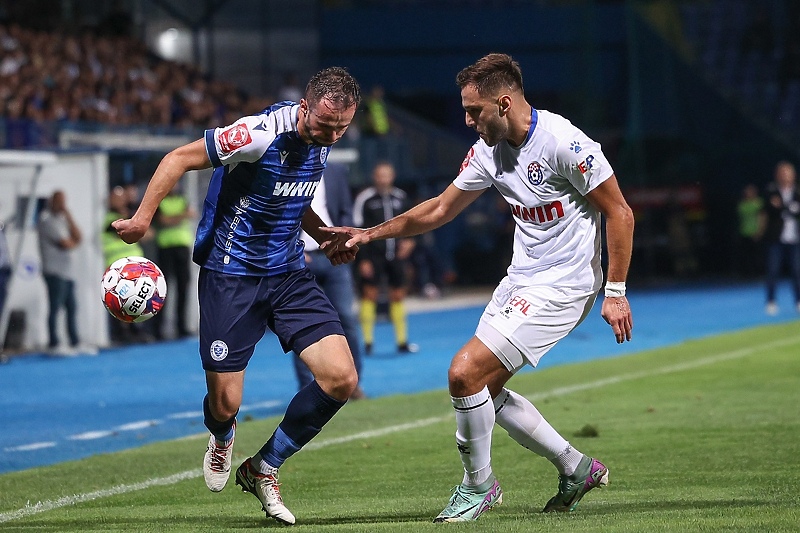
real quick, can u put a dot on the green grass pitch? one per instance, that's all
(702, 436)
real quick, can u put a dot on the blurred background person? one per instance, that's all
(374, 129)
(783, 233)
(750, 213)
(174, 240)
(382, 263)
(58, 238)
(376, 118)
(334, 205)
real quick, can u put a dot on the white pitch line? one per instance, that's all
(199, 414)
(91, 435)
(141, 424)
(186, 414)
(133, 426)
(262, 405)
(30, 447)
(49, 505)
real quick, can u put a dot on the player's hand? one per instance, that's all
(353, 236)
(335, 249)
(617, 312)
(342, 257)
(129, 230)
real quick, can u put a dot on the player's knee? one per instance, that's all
(461, 379)
(339, 385)
(224, 407)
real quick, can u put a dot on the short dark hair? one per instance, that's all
(334, 84)
(491, 74)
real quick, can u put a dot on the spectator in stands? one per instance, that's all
(174, 239)
(111, 79)
(58, 238)
(334, 205)
(383, 262)
(750, 212)
(782, 234)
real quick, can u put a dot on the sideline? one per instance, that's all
(48, 505)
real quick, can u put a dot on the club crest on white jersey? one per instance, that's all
(545, 182)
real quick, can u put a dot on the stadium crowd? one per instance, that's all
(59, 77)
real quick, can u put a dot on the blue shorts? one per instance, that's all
(235, 312)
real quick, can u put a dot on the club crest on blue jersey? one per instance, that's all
(535, 173)
(323, 154)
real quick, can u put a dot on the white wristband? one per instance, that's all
(615, 289)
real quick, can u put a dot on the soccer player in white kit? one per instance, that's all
(557, 183)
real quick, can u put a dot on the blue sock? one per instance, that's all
(223, 431)
(310, 409)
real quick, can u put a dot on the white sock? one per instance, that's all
(526, 425)
(474, 423)
(262, 466)
(567, 461)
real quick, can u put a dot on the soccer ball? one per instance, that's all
(134, 289)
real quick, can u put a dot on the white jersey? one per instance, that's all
(545, 181)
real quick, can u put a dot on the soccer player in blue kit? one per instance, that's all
(253, 275)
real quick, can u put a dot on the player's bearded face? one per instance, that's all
(494, 129)
(325, 122)
(482, 115)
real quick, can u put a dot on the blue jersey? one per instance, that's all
(264, 179)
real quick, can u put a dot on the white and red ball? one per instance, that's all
(134, 289)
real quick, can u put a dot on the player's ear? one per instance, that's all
(504, 104)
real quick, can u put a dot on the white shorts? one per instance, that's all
(521, 323)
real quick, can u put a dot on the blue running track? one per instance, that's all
(54, 410)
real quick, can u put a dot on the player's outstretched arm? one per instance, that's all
(175, 164)
(421, 218)
(616, 310)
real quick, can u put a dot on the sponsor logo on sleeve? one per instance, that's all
(586, 165)
(233, 138)
(467, 159)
